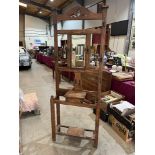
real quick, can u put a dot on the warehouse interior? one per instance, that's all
(77, 77)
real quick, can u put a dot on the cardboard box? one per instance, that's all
(120, 129)
(113, 96)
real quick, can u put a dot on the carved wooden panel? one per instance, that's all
(90, 81)
(79, 13)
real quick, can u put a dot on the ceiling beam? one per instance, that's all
(41, 8)
(65, 4)
(37, 4)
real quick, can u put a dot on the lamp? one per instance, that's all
(23, 4)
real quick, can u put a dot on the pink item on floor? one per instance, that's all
(30, 102)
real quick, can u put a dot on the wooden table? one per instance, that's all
(126, 88)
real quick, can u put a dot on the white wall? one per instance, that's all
(118, 10)
(117, 43)
(59, 27)
(71, 24)
(131, 52)
(92, 23)
(36, 28)
(68, 25)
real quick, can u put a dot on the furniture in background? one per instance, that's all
(126, 88)
(47, 60)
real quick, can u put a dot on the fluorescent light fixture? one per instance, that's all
(23, 4)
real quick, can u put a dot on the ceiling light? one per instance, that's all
(22, 4)
(51, 0)
(40, 12)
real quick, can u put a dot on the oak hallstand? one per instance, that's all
(78, 13)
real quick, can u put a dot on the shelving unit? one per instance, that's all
(79, 96)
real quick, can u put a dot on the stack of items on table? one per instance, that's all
(119, 114)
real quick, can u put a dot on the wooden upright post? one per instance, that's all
(69, 50)
(56, 69)
(87, 52)
(58, 113)
(53, 119)
(56, 55)
(101, 66)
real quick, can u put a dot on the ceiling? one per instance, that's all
(43, 8)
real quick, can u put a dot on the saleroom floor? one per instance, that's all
(36, 130)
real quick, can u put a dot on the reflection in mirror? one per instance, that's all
(78, 48)
(62, 52)
(64, 48)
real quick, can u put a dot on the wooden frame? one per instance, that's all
(82, 13)
(80, 32)
(78, 13)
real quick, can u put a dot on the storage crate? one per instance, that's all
(120, 129)
(110, 97)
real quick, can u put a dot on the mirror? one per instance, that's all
(78, 51)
